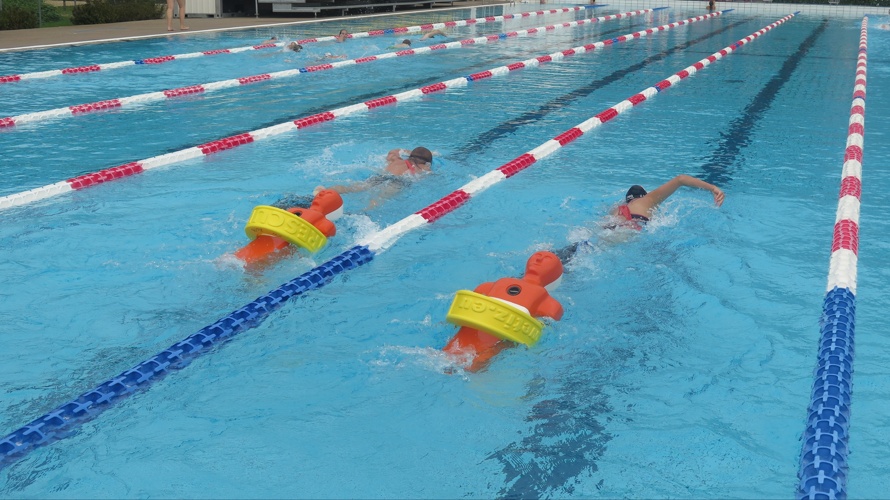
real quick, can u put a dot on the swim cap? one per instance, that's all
(406, 41)
(422, 154)
(634, 192)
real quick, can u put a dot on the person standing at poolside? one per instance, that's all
(181, 3)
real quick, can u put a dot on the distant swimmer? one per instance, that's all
(432, 34)
(405, 44)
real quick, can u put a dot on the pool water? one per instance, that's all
(682, 366)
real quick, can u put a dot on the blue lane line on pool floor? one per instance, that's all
(717, 168)
(484, 140)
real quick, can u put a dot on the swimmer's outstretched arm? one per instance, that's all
(655, 197)
(433, 33)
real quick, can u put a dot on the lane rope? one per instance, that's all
(139, 166)
(61, 421)
(823, 460)
(90, 68)
(121, 102)
(276, 25)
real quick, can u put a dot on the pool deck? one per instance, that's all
(95, 33)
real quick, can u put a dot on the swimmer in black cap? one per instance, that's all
(402, 168)
(406, 44)
(639, 206)
(635, 220)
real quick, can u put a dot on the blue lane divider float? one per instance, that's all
(60, 422)
(823, 460)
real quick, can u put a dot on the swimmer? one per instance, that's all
(406, 44)
(342, 36)
(328, 55)
(272, 40)
(433, 34)
(639, 206)
(294, 46)
(398, 173)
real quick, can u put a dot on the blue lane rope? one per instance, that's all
(62, 421)
(824, 459)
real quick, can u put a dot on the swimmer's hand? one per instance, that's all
(718, 196)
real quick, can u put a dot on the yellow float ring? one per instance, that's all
(287, 226)
(494, 316)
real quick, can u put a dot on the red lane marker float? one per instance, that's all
(81, 69)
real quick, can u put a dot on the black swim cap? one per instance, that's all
(422, 154)
(634, 192)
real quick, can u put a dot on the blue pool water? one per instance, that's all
(682, 367)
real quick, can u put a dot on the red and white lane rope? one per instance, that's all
(845, 244)
(140, 166)
(381, 240)
(148, 97)
(824, 467)
(90, 68)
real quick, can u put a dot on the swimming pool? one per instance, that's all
(682, 367)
